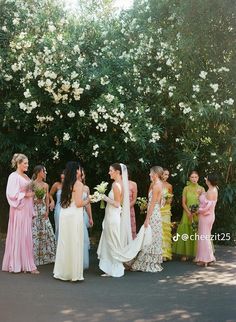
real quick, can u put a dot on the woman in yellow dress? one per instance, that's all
(184, 244)
(166, 216)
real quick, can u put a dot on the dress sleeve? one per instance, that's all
(205, 210)
(14, 195)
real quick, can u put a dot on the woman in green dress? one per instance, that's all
(185, 245)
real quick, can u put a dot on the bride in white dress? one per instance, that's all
(69, 254)
(116, 245)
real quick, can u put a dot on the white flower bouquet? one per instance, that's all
(98, 195)
(142, 203)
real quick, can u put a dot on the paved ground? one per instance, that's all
(181, 292)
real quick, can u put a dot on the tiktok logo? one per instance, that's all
(176, 237)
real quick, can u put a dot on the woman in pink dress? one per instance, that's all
(18, 254)
(206, 213)
(133, 191)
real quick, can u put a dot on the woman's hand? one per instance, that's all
(190, 216)
(104, 197)
(52, 205)
(90, 222)
(46, 215)
(29, 194)
(146, 222)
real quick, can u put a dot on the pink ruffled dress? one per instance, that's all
(18, 254)
(206, 219)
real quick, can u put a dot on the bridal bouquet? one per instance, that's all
(142, 203)
(100, 191)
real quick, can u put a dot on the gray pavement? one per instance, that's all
(181, 292)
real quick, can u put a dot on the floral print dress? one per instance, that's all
(43, 236)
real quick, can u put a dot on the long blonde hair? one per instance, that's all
(17, 158)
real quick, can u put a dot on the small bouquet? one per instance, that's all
(166, 199)
(142, 203)
(100, 190)
(39, 193)
(169, 196)
(194, 225)
(194, 209)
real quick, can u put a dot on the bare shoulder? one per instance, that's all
(116, 186)
(86, 188)
(212, 195)
(157, 187)
(56, 184)
(78, 185)
(45, 185)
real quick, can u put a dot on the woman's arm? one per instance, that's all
(52, 192)
(89, 209)
(78, 195)
(135, 193)
(47, 201)
(117, 197)
(184, 205)
(155, 196)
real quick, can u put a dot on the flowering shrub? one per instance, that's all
(152, 85)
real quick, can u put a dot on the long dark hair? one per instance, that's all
(117, 167)
(69, 181)
(213, 179)
(37, 169)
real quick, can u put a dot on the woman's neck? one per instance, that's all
(20, 172)
(39, 180)
(194, 184)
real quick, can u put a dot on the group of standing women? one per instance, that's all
(199, 206)
(31, 240)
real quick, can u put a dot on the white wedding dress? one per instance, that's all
(111, 252)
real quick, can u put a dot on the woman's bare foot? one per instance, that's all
(202, 264)
(184, 259)
(35, 272)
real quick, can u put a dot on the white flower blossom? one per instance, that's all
(27, 93)
(196, 88)
(215, 87)
(187, 110)
(105, 80)
(81, 113)
(95, 147)
(55, 155)
(109, 98)
(76, 49)
(51, 28)
(203, 74)
(66, 136)
(71, 114)
(230, 101)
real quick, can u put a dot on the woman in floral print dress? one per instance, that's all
(43, 236)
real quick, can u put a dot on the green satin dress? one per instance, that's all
(183, 245)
